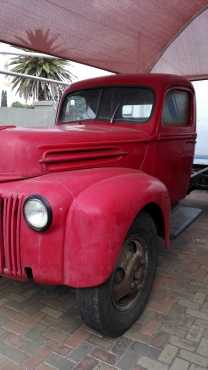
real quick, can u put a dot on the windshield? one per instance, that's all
(132, 104)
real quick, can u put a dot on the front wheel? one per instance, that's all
(114, 306)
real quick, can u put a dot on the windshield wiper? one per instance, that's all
(114, 113)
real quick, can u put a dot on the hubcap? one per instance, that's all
(130, 274)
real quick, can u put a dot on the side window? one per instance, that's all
(176, 108)
(80, 106)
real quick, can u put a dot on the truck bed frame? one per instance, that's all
(199, 178)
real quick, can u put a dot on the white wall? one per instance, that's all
(42, 115)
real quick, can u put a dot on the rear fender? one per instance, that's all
(99, 219)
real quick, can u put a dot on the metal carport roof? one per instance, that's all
(117, 35)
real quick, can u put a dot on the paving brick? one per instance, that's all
(105, 356)
(203, 347)
(134, 352)
(204, 308)
(9, 365)
(200, 297)
(149, 364)
(35, 333)
(128, 360)
(98, 340)
(188, 304)
(135, 334)
(103, 366)
(77, 337)
(68, 325)
(80, 352)
(34, 319)
(180, 364)
(36, 358)
(2, 332)
(162, 306)
(51, 333)
(145, 350)
(166, 281)
(168, 354)
(149, 315)
(12, 353)
(160, 340)
(173, 328)
(3, 301)
(196, 367)
(195, 333)
(182, 343)
(58, 347)
(6, 363)
(52, 312)
(150, 328)
(44, 366)
(15, 297)
(178, 312)
(12, 312)
(30, 347)
(15, 327)
(121, 345)
(198, 314)
(87, 363)
(14, 340)
(59, 362)
(194, 358)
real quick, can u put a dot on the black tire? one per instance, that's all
(98, 307)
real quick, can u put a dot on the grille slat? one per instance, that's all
(6, 237)
(10, 220)
(13, 235)
(1, 237)
(18, 251)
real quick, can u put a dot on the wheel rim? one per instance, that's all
(130, 275)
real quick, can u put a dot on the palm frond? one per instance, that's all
(42, 67)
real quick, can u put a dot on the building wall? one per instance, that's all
(42, 115)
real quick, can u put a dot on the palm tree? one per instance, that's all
(55, 69)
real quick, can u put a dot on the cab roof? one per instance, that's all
(155, 81)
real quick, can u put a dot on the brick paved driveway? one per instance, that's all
(40, 327)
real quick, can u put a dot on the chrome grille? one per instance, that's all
(10, 219)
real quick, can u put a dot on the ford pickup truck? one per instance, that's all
(87, 203)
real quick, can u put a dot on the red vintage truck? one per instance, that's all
(87, 203)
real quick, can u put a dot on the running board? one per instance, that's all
(181, 218)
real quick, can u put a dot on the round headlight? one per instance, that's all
(37, 213)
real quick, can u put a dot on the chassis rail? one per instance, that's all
(199, 178)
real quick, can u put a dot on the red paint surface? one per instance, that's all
(97, 177)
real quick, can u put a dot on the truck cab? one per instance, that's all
(87, 203)
(153, 117)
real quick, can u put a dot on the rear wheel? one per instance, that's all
(114, 306)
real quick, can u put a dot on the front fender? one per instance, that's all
(99, 219)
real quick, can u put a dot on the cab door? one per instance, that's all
(176, 141)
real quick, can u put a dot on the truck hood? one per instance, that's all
(28, 153)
